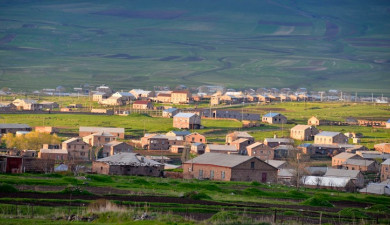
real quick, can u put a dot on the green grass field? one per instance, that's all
(333, 45)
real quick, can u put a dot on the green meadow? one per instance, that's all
(127, 44)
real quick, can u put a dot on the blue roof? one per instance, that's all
(181, 133)
(305, 145)
(170, 110)
(185, 115)
(388, 121)
(328, 133)
(271, 114)
(197, 143)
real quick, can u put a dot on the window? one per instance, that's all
(193, 139)
(107, 139)
(222, 174)
(200, 174)
(252, 165)
(201, 140)
(211, 174)
(82, 153)
(82, 147)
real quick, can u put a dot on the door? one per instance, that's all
(264, 177)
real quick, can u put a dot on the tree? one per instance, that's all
(33, 140)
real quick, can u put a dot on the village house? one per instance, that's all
(104, 88)
(7, 107)
(373, 155)
(180, 97)
(179, 133)
(241, 145)
(142, 104)
(328, 137)
(274, 118)
(285, 151)
(226, 149)
(164, 97)
(99, 96)
(113, 101)
(319, 150)
(131, 164)
(49, 105)
(355, 175)
(141, 94)
(264, 98)
(230, 114)
(225, 167)
(170, 113)
(314, 121)
(49, 130)
(99, 139)
(59, 155)
(340, 159)
(195, 138)
(385, 170)
(125, 96)
(115, 147)
(198, 148)
(6, 128)
(303, 132)
(155, 142)
(362, 165)
(117, 132)
(274, 142)
(237, 135)
(335, 183)
(176, 148)
(261, 151)
(382, 147)
(78, 150)
(27, 104)
(187, 121)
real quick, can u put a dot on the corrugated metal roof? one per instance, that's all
(170, 110)
(271, 114)
(222, 147)
(286, 172)
(325, 181)
(275, 163)
(254, 145)
(344, 155)
(113, 143)
(328, 133)
(13, 126)
(220, 159)
(132, 159)
(341, 173)
(100, 129)
(178, 133)
(387, 162)
(240, 134)
(240, 140)
(185, 115)
(279, 140)
(359, 162)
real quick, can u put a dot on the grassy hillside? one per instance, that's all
(337, 44)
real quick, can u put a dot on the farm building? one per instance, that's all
(225, 167)
(314, 121)
(274, 142)
(6, 128)
(303, 132)
(226, 149)
(355, 175)
(115, 147)
(241, 145)
(237, 135)
(187, 121)
(54, 154)
(164, 97)
(169, 113)
(382, 188)
(142, 104)
(328, 137)
(117, 132)
(385, 170)
(141, 94)
(99, 139)
(27, 104)
(155, 142)
(99, 96)
(113, 101)
(49, 105)
(274, 118)
(336, 183)
(340, 159)
(195, 137)
(131, 164)
(261, 151)
(382, 147)
(78, 150)
(362, 165)
(180, 97)
(198, 148)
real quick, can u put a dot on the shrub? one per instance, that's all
(7, 188)
(317, 201)
(353, 212)
(196, 195)
(255, 183)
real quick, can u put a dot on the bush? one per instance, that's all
(353, 212)
(196, 195)
(317, 201)
(100, 178)
(255, 183)
(7, 188)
